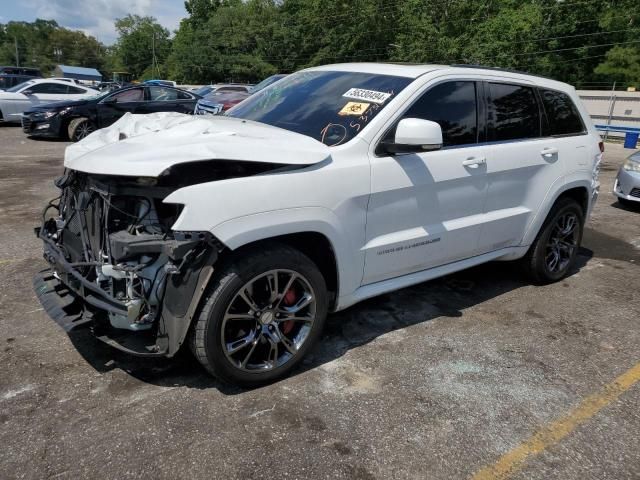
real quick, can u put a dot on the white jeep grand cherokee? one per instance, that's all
(239, 233)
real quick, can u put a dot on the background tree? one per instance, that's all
(623, 64)
(234, 43)
(589, 43)
(44, 44)
(138, 39)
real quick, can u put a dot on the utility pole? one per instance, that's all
(153, 51)
(612, 102)
(15, 41)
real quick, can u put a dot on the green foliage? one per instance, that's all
(44, 44)
(233, 44)
(225, 40)
(622, 63)
(588, 43)
(201, 10)
(139, 39)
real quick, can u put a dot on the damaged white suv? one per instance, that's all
(237, 234)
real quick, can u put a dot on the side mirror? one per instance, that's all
(415, 135)
(110, 100)
(27, 92)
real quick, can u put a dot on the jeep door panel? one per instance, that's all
(426, 208)
(524, 163)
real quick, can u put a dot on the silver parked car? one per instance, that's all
(627, 184)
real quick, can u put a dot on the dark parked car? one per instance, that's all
(78, 119)
(8, 80)
(26, 71)
(219, 102)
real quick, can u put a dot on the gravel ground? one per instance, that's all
(434, 381)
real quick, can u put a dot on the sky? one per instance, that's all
(94, 17)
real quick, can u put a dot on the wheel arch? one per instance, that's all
(577, 190)
(315, 231)
(580, 194)
(314, 245)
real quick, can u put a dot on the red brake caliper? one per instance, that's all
(288, 300)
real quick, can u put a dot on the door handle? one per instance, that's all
(549, 151)
(474, 162)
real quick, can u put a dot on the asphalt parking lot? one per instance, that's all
(478, 373)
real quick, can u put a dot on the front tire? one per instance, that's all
(553, 253)
(264, 310)
(79, 128)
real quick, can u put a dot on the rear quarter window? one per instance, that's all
(563, 117)
(513, 112)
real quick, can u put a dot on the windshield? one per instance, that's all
(202, 91)
(266, 82)
(20, 86)
(331, 107)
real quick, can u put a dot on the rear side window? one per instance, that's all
(51, 88)
(513, 112)
(75, 90)
(162, 94)
(453, 105)
(131, 95)
(562, 115)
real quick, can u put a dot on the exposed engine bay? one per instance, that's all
(116, 262)
(111, 243)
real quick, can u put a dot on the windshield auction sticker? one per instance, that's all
(367, 95)
(354, 108)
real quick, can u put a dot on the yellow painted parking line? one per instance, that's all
(551, 434)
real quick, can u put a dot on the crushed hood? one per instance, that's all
(146, 145)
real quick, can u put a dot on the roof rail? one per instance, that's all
(499, 69)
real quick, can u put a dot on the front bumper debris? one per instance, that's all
(137, 286)
(58, 301)
(67, 274)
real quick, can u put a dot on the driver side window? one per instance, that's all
(131, 95)
(454, 106)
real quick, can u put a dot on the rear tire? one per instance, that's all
(79, 128)
(243, 335)
(553, 252)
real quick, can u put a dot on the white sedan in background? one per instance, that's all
(627, 184)
(22, 97)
